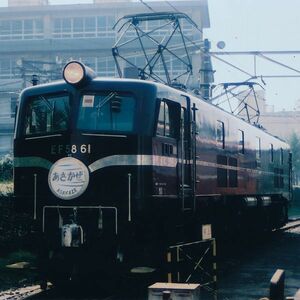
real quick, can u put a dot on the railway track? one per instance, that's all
(292, 225)
(52, 293)
(35, 292)
(21, 293)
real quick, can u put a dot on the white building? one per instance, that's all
(37, 38)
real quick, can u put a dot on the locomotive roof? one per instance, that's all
(162, 91)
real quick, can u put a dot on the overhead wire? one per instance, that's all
(148, 6)
(208, 53)
(171, 5)
(222, 60)
(175, 9)
(214, 55)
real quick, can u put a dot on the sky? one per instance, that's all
(258, 25)
(252, 25)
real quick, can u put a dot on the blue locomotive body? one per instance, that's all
(116, 170)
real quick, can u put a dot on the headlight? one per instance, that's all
(75, 72)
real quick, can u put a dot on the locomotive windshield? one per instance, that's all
(47, 114)
(107, 112)
(110, 112)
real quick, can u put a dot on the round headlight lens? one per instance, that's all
(74, 72)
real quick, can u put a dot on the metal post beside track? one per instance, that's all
(277, 285)
(193, 262)
(169, 260)
(35, 196)
(214, 263)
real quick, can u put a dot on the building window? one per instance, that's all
(66, 26)
(89, 27)
(84, 27)
(5, 30)
(105, 67)
(6, 142)
(38, 26)
(26, 29)
(105, 25)
(101, 26)
(56, 26)
(220, 134)
(16, 29)
(90, 62)
(6, 68)
(241, 145)
(78, 27)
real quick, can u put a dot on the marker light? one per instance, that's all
(75, 72)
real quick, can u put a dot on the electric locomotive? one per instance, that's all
(113, 171)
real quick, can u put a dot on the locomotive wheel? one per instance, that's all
(283, 215)
(43, 285)
(59, 270)
(280, 215)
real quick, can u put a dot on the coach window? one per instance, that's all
(271, 153)
(168, 119)
(258, 148)
(220, 134)
(241, 142)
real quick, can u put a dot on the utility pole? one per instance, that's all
(206, 72)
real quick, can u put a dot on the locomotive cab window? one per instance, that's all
(258, 148)
(220, 134)
(281, 156)
(271, 153)
(241, 145)
(168, 119)
(47, 114)
(107, 112)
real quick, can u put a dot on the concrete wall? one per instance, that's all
(27, 2)
(281, 124)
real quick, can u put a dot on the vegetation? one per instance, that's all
(6, 188)
(6, 178)
(294, 142)
(15, 233)
(6, 175)
(16, 277)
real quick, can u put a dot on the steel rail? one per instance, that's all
(291, 225)
(22, 293)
